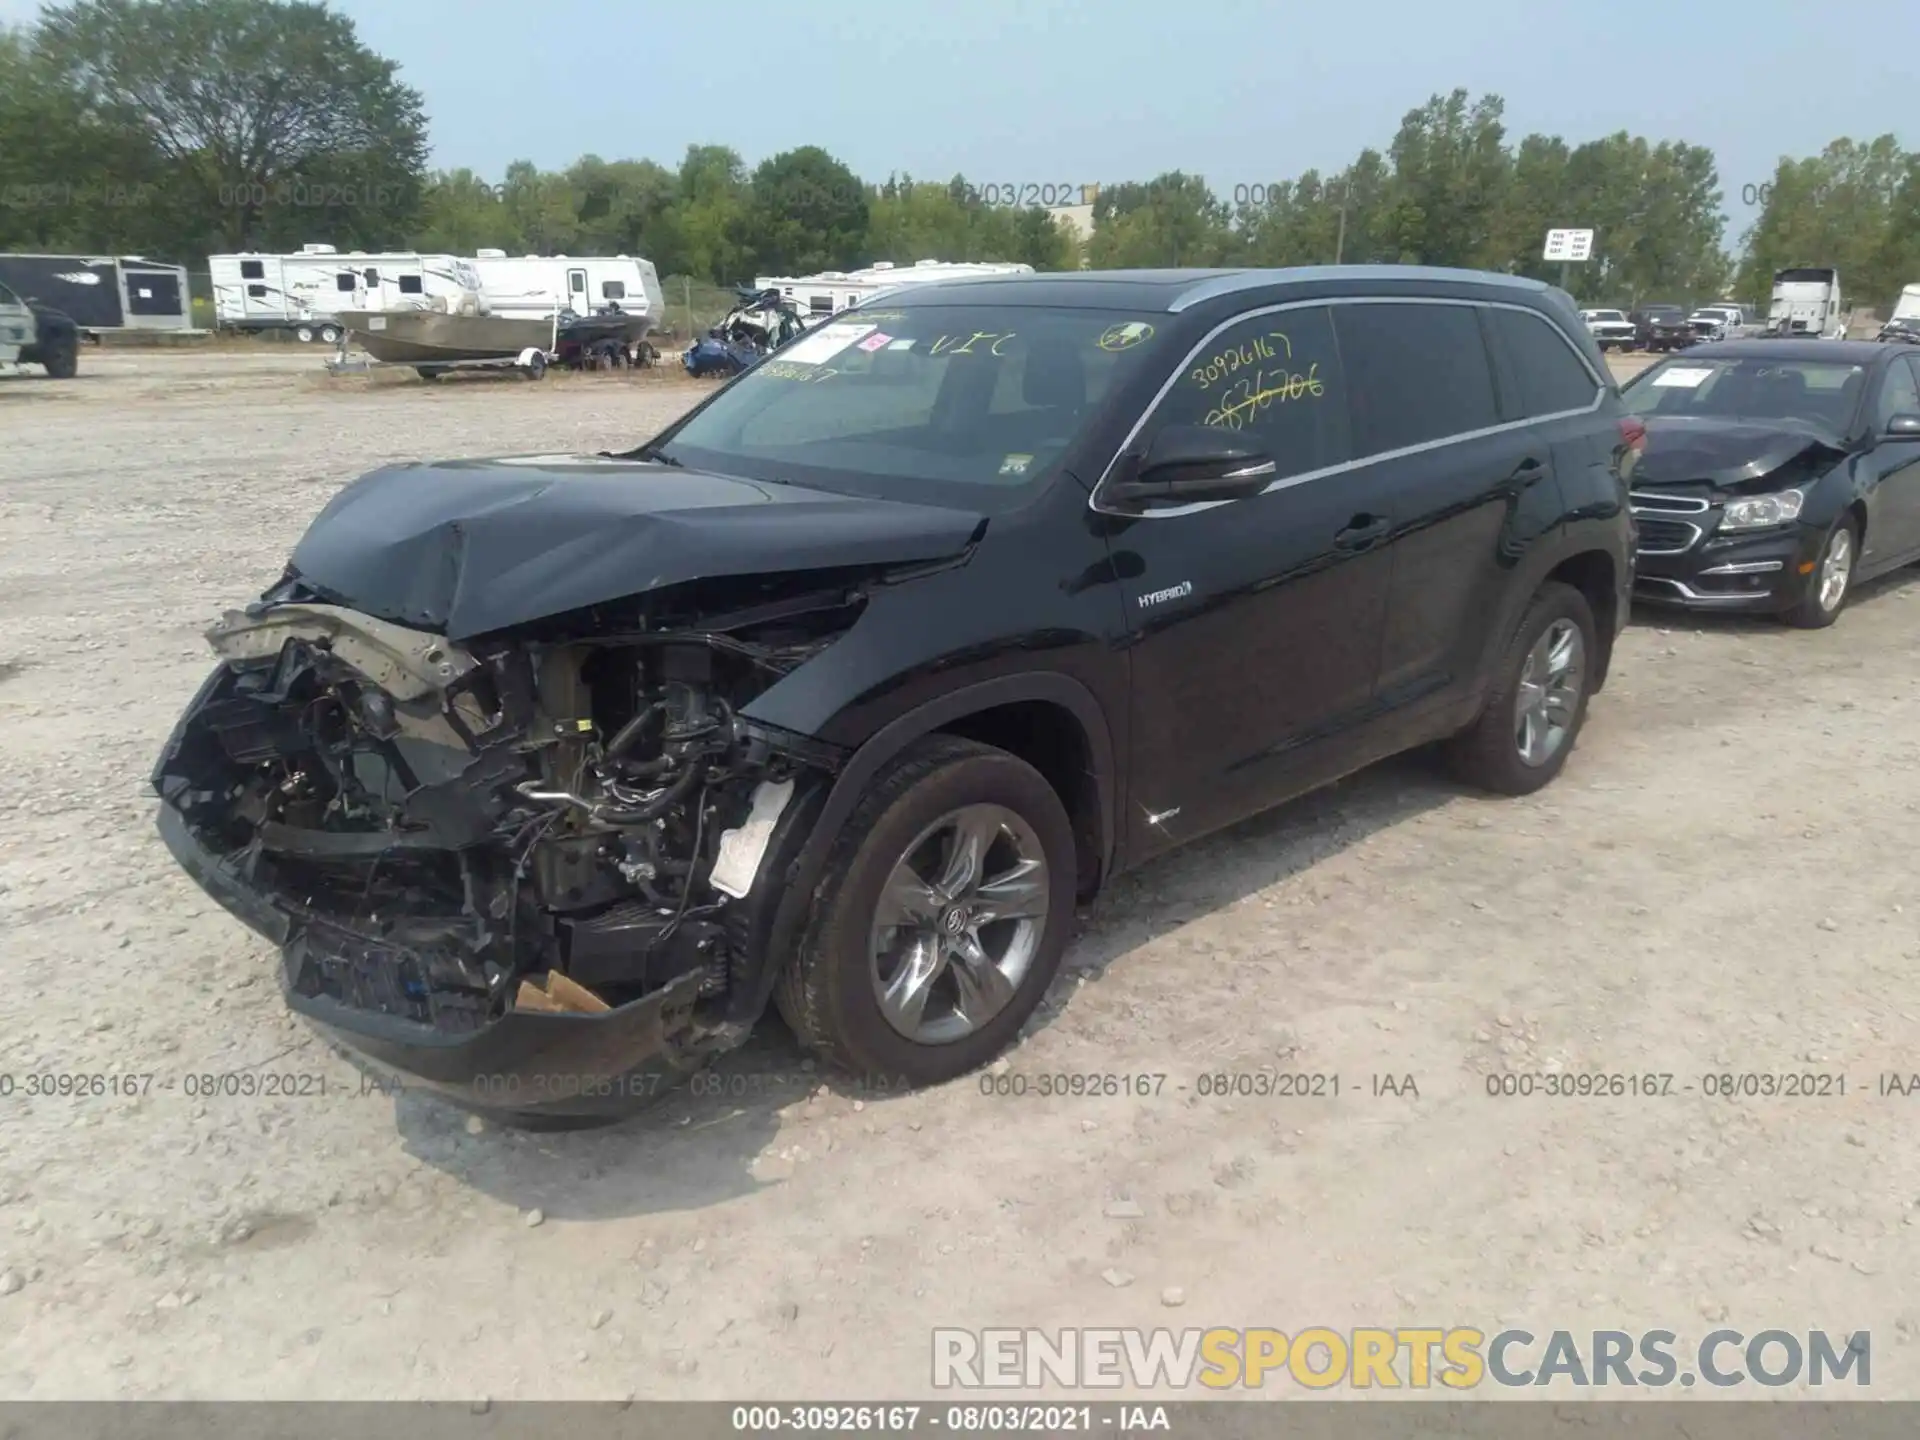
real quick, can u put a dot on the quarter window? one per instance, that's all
(1549, 375)
(1414, 373)
(1277, 379)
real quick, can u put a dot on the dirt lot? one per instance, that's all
(1715, 885)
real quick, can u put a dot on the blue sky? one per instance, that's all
(1024, 92)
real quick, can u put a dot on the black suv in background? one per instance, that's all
(1661, 327)
(55, 342)
(844, 690)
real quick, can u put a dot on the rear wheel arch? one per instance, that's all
(1596, 575)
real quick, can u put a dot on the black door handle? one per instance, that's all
(1361, 532)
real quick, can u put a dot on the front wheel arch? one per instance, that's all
(773, 920)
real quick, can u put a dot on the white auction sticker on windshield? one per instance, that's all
(1686, 378)
(825, 343)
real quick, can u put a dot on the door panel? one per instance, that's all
(1893, 531)
(1420, 378)
(1254, 626)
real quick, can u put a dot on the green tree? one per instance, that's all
(1451, 172)
(266, 120)
(1173, 219)
(1836, 208)
(805, 212)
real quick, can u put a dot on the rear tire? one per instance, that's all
(1830, 588)
(63, 359)
(834, 990)
(303, 333)
(1492, 753)
(330, 334)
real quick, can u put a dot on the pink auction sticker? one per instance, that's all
(875, 341)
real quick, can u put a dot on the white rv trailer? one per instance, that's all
(834, 290)
(535, 286)
(302, 293)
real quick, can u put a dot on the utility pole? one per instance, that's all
(1340, 241)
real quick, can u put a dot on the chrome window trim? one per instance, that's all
(1147, 411)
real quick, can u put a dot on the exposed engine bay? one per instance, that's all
(437, 822)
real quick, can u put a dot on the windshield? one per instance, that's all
(1607, 315)
(1820, 392)
(934, 402)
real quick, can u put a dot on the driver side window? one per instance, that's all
(1899, 393)
(1275, 379)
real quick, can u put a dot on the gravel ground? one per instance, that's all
(1706, 890)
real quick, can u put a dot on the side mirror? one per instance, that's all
(1189, 464)
(1904, 427)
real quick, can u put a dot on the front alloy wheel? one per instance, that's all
(948, 953)
(940, 918)
(1831, 582)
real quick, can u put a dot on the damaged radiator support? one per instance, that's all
(440, 827)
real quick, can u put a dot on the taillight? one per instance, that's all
(1633, 434)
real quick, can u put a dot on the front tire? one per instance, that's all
(330, 334)
(945, 906)
(1832, 583)
(1539, 702)
(303, 333)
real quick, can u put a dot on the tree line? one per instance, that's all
(182, 128)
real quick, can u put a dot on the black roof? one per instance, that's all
(1844, 352)
(1171, 290)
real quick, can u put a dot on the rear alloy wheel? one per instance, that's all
(1533, 717)
(946, 904)
(1831, 583)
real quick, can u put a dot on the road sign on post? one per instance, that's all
(1568, 245)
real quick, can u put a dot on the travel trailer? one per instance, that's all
(304, 293)
(102, 294)
(834, 290)
(535, 286)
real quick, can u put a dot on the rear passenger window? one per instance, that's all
(1550, 376)
(1414, 373)
(1275, 377)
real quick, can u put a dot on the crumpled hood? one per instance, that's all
(1727, 454)
(472, 546)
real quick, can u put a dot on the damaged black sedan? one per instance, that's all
(548, 775)
(1776, 475)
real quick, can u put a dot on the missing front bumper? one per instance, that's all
(520, 1063)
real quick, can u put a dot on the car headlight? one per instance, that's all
(1762, 511)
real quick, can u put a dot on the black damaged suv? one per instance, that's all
(548, 774)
